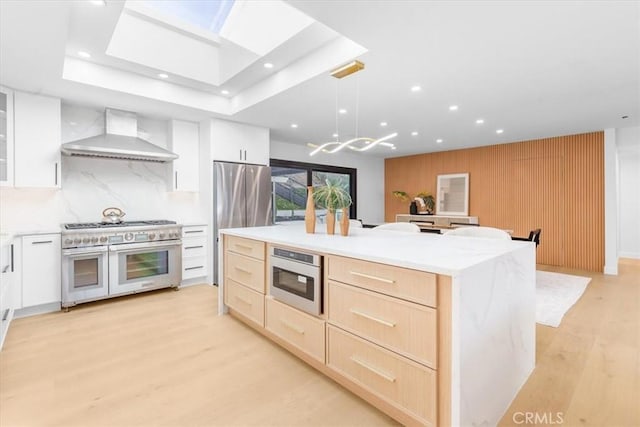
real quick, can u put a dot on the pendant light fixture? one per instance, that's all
(358, 143)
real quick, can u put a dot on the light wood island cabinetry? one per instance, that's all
(403, 317)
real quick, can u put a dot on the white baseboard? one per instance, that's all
(632, 255)
(611, 270)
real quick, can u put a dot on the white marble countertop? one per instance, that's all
(442, 254)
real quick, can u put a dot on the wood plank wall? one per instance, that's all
(556, 184)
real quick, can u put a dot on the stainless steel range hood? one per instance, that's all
(120, 141)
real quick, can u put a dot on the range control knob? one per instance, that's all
(152, 236)
(103, 239)
(128, 236)
(94, 240)
(77, 241)
(85, 240)
(161, 236)
(68, 241)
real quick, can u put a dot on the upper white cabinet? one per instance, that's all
(6, 136)
(37, 139)
(184, 140)
(240, 143)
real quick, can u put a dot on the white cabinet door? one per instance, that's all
(240, 143)
(184, 140)
(6, 136)
(194, 251)
(37, 137)
(41, 272)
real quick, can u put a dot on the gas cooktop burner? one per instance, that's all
(87, 225)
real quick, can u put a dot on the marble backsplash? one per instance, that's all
(90, 185)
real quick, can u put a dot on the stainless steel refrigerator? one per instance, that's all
(241, 198)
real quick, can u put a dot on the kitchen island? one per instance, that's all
(431, 329)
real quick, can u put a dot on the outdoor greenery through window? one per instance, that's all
(290, 181)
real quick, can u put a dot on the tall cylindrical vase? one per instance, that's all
(344, 222)
(331, 221)
(310, 212)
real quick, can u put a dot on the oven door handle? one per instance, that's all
(147, 245)
(85, 251)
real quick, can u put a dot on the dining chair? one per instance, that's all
(398, 226)
(534, 236)
(486, 232)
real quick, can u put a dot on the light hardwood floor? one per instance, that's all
(166, 358)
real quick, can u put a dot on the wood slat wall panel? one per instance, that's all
(556, 184)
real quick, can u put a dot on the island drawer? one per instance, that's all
(248, 247)
(411, 285)
(297, 328)
(403, 383)
(401, 326)
(245, 301)
(247, 271)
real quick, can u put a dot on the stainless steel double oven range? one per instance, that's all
(101, 260)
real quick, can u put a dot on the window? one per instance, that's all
(290, 181)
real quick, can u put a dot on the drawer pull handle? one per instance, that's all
(292, 327)
(370, 317)
(6, 268)
(240, 245)
(194, 247)
(194, 268)
(243, 270)
(42, 242)
(193, 231)
(373, 369)
(243, 300)
(368, 276)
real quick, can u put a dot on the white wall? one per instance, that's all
(628, 150)
(90, 185)
(370, 176)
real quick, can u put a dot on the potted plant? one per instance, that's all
(331, 197)
(425, 199)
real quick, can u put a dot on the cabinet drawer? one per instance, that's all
(245, 301)
(396, 379)
(193, 267)
(192, 247)
(299, 329)
(245, 270)
(412, 285)
(401, 326)
(248, 247)
(194, 231)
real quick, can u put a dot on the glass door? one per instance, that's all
(6, 136)
(289, 193)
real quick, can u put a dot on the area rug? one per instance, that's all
(555, 294)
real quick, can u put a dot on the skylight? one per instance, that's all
(209, 15)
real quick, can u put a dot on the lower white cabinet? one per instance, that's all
(194, 252)
(41, 270)
(7, 289)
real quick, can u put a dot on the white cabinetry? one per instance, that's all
(184, 140)
(194, 252)
(7, 288)
(240, 143)
(6, 136)
(41, 270)
(37, 137)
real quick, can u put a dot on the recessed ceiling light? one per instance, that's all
(393, 148)
(335, 135)
(342, 111)
(416, 88)
(84, 54)
(479, 121)
(224, 92)
(439, 141)
(499, 130)
(163, 76)
(73, 123)
(414, 133)
(98, 2)
(1, 135)
(383, 124)
(268, 65)
(294, 125)
(453, 108)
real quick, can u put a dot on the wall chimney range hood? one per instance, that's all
(120, 141)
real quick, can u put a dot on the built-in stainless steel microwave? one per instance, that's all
(296, 279)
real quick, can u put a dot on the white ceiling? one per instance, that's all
(534, 69)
